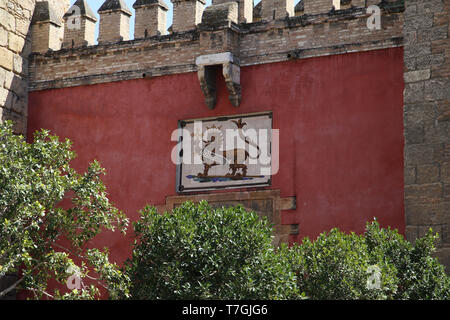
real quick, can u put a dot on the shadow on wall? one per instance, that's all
(15, 46)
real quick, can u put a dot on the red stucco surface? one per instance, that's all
(341, 130)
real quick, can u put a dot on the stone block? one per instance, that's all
(437, 89)
(419, 21)
(3, 37)
(428, 191)
(447, 191)
(420, 114)
(427, 174)
(410, 175)
(432, 34)
(420, 211)
(430, 60)
(410, 38)
(445, 172)
(410, 10)
(418, 75)
(419, 154)
(27, 4)
(439, 133)
(430, 6)
(414, 134)
(20, 65)
(414, 92)
(2, 77)
(22, 26)
(409, 64)
(4, 93)
(9, 78)
(6, 59)
(418, 50)
(7, 20)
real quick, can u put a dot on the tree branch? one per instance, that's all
(12, 287)
(15, 284)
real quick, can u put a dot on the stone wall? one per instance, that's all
(15, 46)
(15, 17)
(427, 121)
(424, 26)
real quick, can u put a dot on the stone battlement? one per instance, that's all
(316, 28)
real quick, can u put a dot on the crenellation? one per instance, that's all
(245, 9)
(218, 14)
(277, 9)
(151, 18)
(299, 8)
(114, 21)
(79, 25)
(254, 43)
(46, 28)
(317, 6)
(187, 14)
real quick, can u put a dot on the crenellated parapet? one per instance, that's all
(205, 40)
(78, 24)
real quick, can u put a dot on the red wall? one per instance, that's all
(341, 130)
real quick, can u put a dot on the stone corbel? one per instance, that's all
(232, 75)
(207, 77)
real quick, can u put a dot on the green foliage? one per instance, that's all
(418, 274)
(379, 264)
(197, 252)
(34, 179)
(336, 266)
(194, 252)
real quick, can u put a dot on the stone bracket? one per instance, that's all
(207, 77)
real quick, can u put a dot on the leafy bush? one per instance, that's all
(418, 274)
(197, 252)
(34, 226)
(379, 264)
